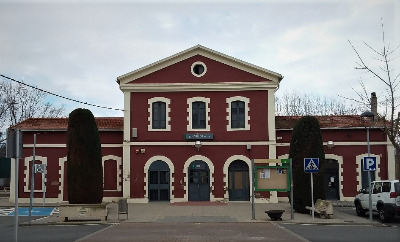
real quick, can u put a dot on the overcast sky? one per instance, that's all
(79, 48)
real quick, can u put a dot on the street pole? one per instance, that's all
(17, 151)
(369, 181)
(291, 191)
(253, 210)
(32, 180)
(44, 184)
(312, 195)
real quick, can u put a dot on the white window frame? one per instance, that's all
(198, 63)
(246, 114)
(190, 101)
(167, 102)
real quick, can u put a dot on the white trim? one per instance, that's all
(137, 200)
(171, 172)
(198, 63)
(359, 160)
(126, 149)
(167, 102)
(226, 173)
(64, 145)
(345, 143)
(206, 52)
(199, 87)
(339, 160)
(246, 114)
(61, 179)
(391, 161)
(118, 160)
(208, 143)
(271, 124)
(189, 111)
(28, 172)
(186, 175)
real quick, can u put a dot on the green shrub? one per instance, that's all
(306, 142)
(84, 164)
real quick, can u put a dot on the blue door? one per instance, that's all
(199, 181)
(159, 181)
(239, 183)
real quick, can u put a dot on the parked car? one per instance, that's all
(385, 196)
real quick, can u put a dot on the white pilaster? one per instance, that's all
(126, 145)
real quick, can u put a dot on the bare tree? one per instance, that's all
(18, 103)
(300, 104)
(384, 74)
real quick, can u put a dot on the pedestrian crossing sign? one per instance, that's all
(311, 164)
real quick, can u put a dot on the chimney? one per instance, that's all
(374, 104)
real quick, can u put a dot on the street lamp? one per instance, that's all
(197, 144)
(370, 117)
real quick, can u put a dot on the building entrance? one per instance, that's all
(332, 180)
(199, 181)
(159, 181)
(239, 185)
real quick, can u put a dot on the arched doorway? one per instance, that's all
(239, 185)
(199, 181)
(332, 180)
(159, 181)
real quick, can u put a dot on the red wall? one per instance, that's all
(218, 113)
(181, 73)
(349, 152)
(53, 154)
(179, 155)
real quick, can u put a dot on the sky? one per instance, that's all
(78, 48)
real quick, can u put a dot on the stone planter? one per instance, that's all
(275, 214)
(83, 212)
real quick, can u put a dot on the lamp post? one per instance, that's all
(32, 180)
(368, 115)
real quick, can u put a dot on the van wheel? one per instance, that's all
(383, 215)
(359, 210)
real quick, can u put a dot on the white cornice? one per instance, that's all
(188, 87)
(64, 145)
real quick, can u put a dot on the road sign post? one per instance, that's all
(369, 164)
(311, 165)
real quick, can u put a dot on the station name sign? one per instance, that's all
(198, 136)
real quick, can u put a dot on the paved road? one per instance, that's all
(59, 233)
(195, 232)
(395, 221)
(353, 233)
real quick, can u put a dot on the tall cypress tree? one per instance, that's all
(84, 164)
(306, 142)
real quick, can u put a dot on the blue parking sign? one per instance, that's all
(369, 163)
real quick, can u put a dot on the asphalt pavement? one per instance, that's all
(202, 212)
(202, 221)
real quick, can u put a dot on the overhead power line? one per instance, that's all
(56, 95)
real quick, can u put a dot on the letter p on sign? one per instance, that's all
(369, 164)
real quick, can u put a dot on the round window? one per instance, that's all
(199, 69)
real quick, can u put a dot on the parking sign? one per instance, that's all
(369, 163)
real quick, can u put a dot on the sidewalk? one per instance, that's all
(202, 212)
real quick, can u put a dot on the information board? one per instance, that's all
(272, 175)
